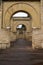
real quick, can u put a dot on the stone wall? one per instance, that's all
(37, 37)
(42, 23)
(4, 35)
(37, 33)
(4, 39)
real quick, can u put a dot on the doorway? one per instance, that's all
(21, 30)
(21, 24)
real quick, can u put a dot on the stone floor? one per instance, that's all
(21, 53)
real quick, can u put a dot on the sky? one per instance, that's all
(20, 14)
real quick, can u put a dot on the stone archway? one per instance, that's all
(7, 21)
(25, 7)
(21, 30)
(25, 21)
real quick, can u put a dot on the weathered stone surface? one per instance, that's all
(4, 39)
(37, 34)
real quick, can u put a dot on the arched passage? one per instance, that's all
(9, 22)
(25, 7)
(21, 17)
(21, 29)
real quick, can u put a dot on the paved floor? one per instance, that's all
(21, 53)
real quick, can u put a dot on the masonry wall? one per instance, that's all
(37, 34)
(4, 35)
(42, 22)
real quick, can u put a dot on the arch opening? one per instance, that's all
(21, 14)
(21, 28)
